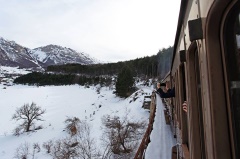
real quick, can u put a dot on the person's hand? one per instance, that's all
(158, 85)
(167, 85)
(184, 105)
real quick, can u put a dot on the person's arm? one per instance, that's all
(170, 93)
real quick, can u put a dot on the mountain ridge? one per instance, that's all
(13, 54)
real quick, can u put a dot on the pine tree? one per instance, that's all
(124, 82)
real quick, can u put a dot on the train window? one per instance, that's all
(184, 82)
(183, 98)
(199, 102)
(232, 59)
(195, 111)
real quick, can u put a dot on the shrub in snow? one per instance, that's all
(48, 145)
(122, 135)
(72, 125)
(22, 152)
(80, 145)
(36, 149)
(28, 115)
(98, 89)
(64, 149)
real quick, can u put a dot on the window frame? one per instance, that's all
(195, 138)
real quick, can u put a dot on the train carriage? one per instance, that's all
(206, 73)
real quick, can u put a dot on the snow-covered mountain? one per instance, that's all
(13, 54)
(57, 55)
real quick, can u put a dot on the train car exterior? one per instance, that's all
(206, 73)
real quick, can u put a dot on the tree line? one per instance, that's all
(42, 79)
(150, 66)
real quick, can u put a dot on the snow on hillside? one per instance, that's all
(60, 102)
(39, 55)
(8, 74)
(12, 70)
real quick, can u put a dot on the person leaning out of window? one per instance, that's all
(165, 92)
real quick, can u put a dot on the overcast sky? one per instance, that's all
(109, 30)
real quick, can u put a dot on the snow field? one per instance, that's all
(60, 102)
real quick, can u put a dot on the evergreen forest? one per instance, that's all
(151, 67)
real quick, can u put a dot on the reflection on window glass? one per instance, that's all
(238, 40)
(234, 77)
(238, 32)
(237, 53)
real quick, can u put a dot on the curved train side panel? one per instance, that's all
(206, 73)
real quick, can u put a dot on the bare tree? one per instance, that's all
(86, 147)
(28, 114)
(122, 135)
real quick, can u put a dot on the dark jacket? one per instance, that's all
(170, 93)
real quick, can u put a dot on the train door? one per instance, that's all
(231, 58)
(195, 112)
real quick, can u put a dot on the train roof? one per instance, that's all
(182, 12)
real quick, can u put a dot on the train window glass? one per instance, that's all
(199, 101)
(184, 98)
(232, 55)
(184, 83)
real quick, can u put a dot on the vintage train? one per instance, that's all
(205, 72)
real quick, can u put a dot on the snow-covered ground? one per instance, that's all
(60, 102)
(87, 104)
(161, 137)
